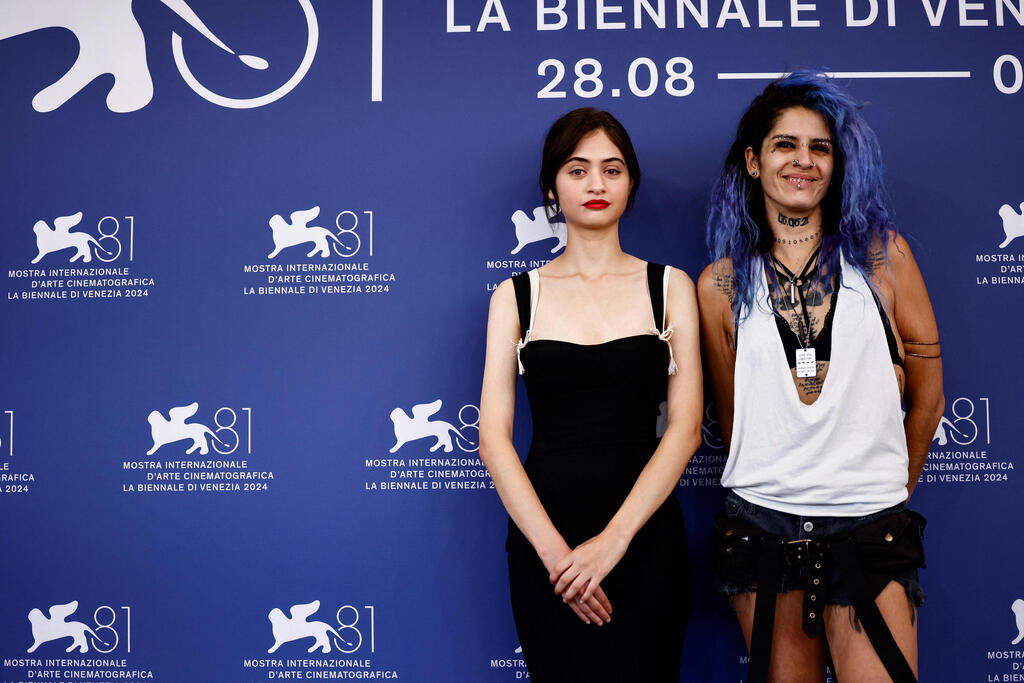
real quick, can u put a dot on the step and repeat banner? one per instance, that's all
(247, 251)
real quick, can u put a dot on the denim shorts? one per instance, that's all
(796, 527)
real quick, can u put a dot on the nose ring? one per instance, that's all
(796, 162)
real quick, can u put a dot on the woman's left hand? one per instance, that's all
(580, 572)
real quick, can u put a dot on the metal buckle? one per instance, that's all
(798, 552)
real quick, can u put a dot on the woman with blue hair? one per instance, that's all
(817, 328)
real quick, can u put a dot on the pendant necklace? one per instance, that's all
(806, 365)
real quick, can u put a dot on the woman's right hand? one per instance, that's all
(597, 608)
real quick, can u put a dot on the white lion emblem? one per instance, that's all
(1013, 223)
(60, 237)
(176, 429)
(1018, 611)
(110, 42)
(54, 628)
(299, 231)
(295, 627)
(420, 426)
(946, 431)
(537, 229)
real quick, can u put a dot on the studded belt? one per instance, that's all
(875, 543)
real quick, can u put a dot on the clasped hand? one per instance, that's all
(577, 577)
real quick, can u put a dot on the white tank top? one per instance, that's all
(845, 454)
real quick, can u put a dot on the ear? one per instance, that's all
(753, 163)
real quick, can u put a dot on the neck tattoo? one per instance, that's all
(798, 240)
(792, 222)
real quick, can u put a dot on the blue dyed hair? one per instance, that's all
(854, 212)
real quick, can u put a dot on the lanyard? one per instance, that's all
(804, 330)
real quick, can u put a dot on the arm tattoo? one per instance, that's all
(876, 261)
(725, 285)
(931, 352)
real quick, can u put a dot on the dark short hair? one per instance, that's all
(563, 137)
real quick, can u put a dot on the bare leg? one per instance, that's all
(852, 653)
(796, 658)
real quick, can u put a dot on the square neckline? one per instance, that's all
(649, 333)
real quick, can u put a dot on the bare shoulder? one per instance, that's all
(715, 283)
(503, 314)
(891, 261)
(898, 250)
(679, 281)
(504, 294)
(682, 299)
(503, 301)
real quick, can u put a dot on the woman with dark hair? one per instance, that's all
(815, 323)
(598, 564)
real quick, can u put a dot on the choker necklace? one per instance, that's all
(801, 240)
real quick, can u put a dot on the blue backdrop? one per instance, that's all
(211, 455)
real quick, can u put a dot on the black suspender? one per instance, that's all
(521, 285)
(843, 552)
(656, 287)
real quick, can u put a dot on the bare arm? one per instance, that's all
(497, 410)
(915, 324)
(715, 292)
(588, 564)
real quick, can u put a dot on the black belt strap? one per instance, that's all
(878, 633)
(768, 570)
(521, 286)
(814, 589)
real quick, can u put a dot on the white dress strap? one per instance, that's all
(534, 293)
(665, 333)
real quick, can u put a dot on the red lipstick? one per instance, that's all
(596, 204)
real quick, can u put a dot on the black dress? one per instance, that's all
(595, 412)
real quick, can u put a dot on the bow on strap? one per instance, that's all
(520, 344)
(666, 336)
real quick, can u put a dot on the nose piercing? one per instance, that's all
(796, 162)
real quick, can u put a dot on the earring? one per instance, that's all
(753, 174)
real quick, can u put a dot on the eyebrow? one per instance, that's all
(787, 136)
(587, 161)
